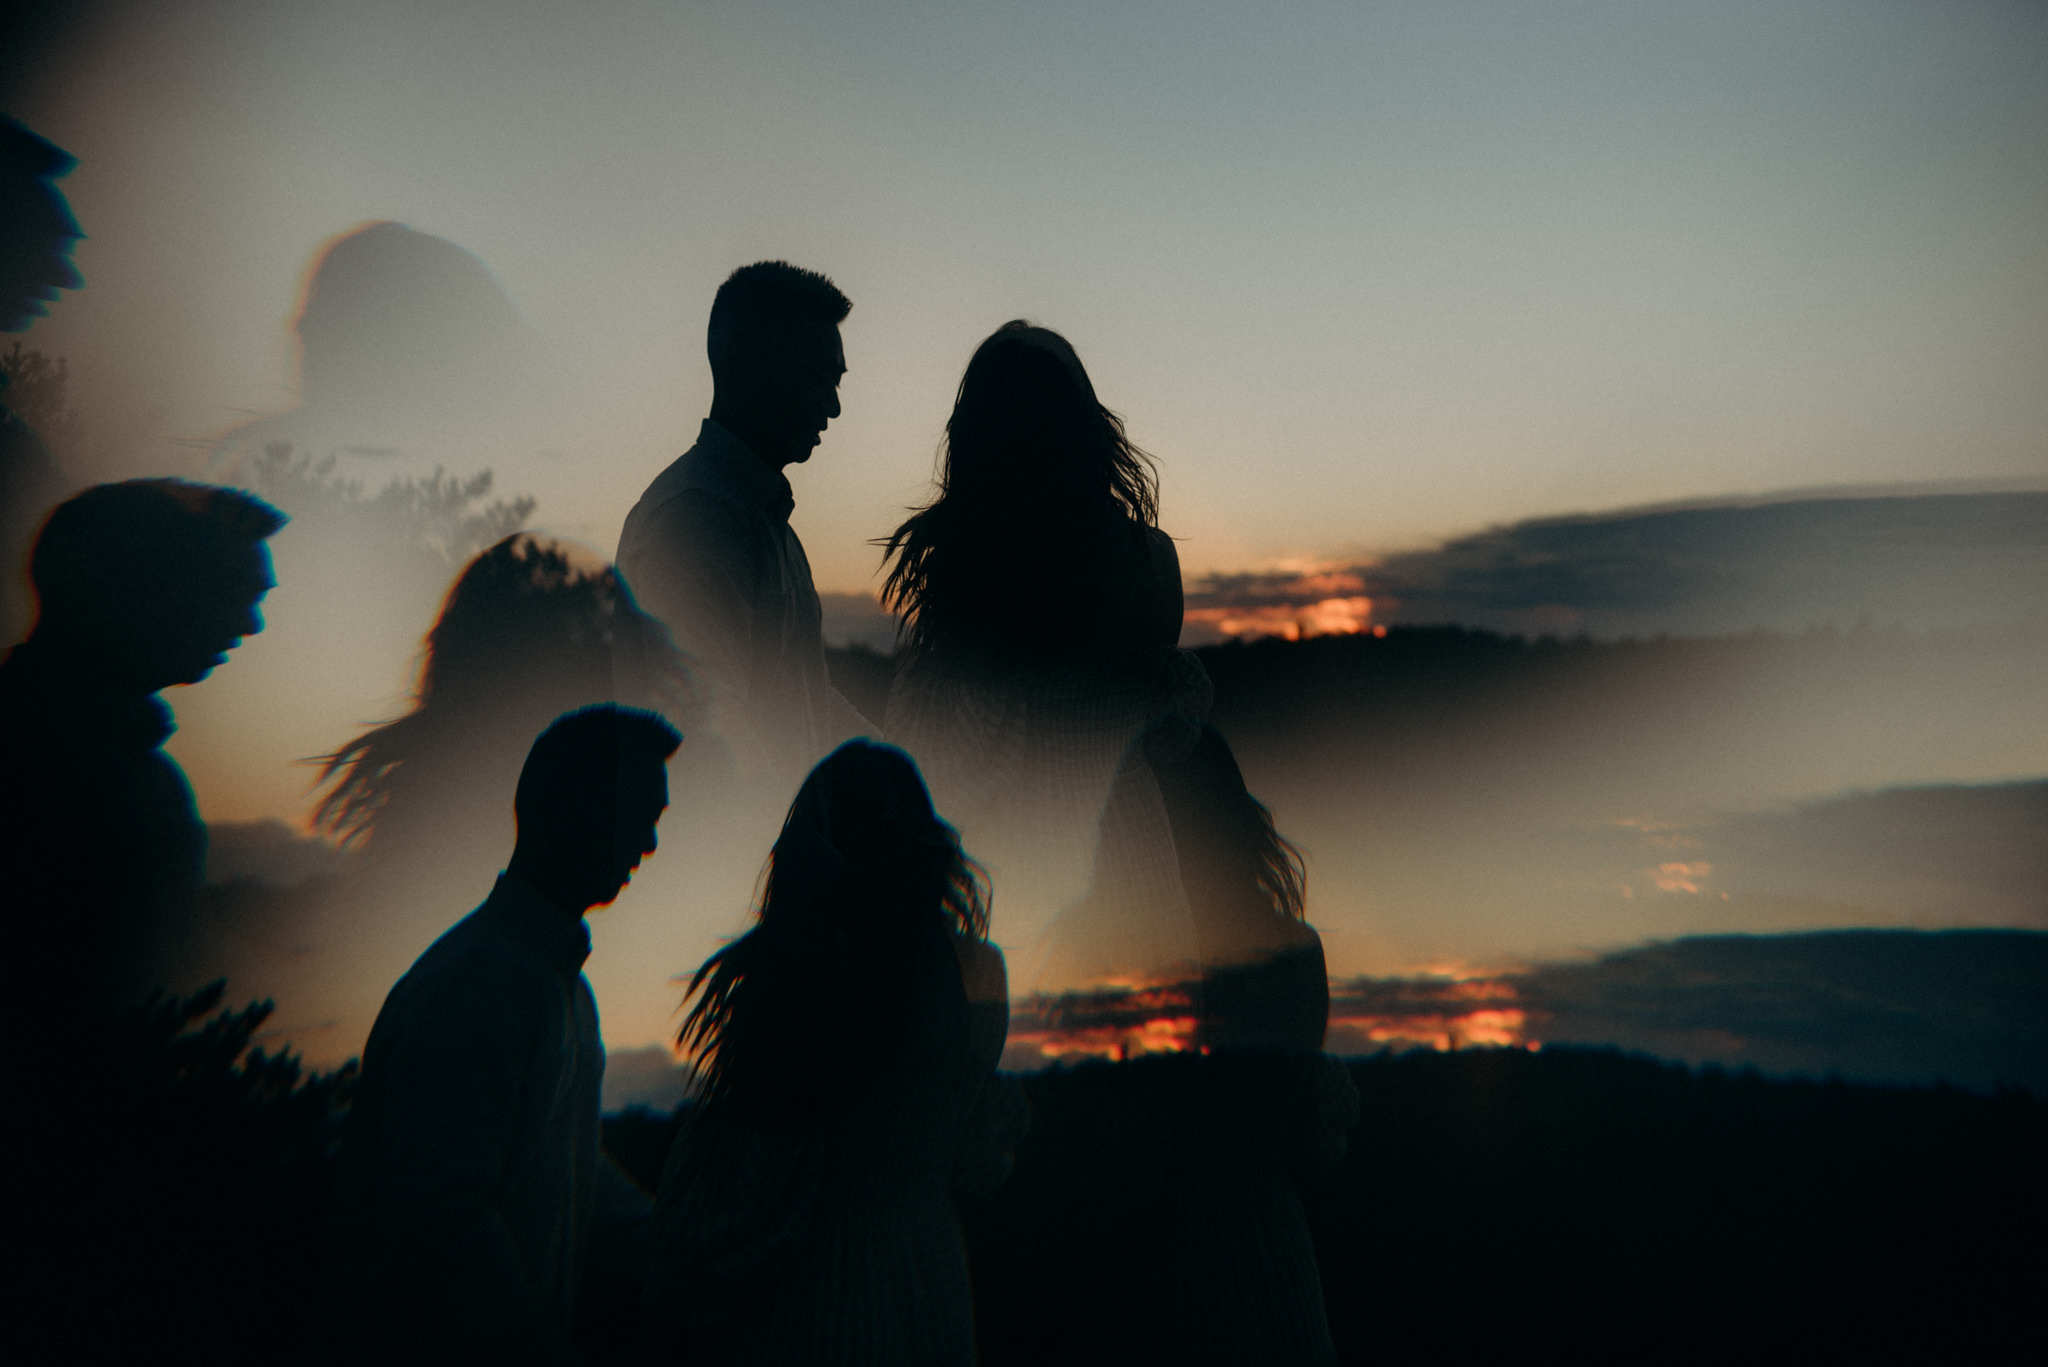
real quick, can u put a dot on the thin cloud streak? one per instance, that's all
(1916, 560)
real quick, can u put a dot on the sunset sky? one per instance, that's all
(1367, 278)
(1362, 275)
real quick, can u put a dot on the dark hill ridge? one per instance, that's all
(1451, 713)
(1958, 1008)
(1968, 1008)
(1573, 1205)
(1468, 796)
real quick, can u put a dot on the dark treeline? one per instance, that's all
(1495, 1205)
(1566, 1206)
(182, 1222)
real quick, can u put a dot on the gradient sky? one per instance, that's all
(1362, 275)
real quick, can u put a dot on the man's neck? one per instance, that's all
(747, 432)
(86, 655)
(548, 882)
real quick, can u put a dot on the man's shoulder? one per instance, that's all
(692, 490)
(474, 964)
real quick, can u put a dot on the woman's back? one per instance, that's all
(844, 1246)
(1019, 735)
(846, 1049)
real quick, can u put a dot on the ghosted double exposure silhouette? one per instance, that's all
(807, 1211)
(408, 349)
(470, 1176)
(530, 629)
(1206, 1147)
(141, 586)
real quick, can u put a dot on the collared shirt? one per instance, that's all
(709, 550)
(470, 1171)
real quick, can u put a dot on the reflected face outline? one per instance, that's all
(37, 267)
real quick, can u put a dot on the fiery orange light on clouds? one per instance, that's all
(1293, 622)
(1114, 1021)
(1441, 1008)
(1295, 600)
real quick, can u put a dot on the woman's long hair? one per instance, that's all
(1231, 854)
(531, 629)
(1031, 464)
(864, 877)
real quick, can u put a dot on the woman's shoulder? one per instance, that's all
(982, 972)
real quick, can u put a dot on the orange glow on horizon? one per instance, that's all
(1292, 621)
(1444, 1008)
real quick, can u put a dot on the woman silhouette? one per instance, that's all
(1200, 1154)
(845, 1048)
(1041, 607)
(530, 629)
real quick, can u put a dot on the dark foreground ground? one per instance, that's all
(1493, 1206)
(1568, 1206)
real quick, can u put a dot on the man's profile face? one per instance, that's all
(807, 376)
(642, 800)
(185, 630)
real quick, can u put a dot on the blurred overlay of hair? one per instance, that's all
(530, 630)
(1224, 836)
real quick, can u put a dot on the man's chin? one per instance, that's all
(196, 674)
(199, 670)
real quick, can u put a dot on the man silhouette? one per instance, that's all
(709, 550)
(470, 1173)
(140, 586)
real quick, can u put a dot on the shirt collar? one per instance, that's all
(536, 922)
(748, 473)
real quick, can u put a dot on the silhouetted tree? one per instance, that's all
(178, 1172)
(440, 515)
(35, 387)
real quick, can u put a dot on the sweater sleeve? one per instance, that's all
(453, 1079)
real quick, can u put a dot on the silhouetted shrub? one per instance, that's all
(1579, 1206)
(179, 1176)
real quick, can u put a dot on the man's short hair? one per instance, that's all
(115, 540)
(767, 298)
(577, 767)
